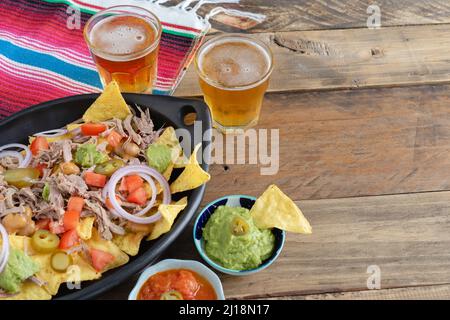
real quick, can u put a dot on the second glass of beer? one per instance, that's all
(234, 74)
(124, 43)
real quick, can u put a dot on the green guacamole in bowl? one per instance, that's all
(233, 241)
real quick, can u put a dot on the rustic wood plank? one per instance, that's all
(352, 58)
(438, 292)
(350, 143)
(407, 236)
(294, 15)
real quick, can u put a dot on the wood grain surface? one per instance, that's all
(352, 58)
(294, 15)
(336, 144)
(433, 292)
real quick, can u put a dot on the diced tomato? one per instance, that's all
(55, 227)
(75, 204)
(123, 185)
(95, 179)
(92, 129)
(43, 224)
(100, 259)
(38, 144)
(133, 182)
(71, 219)
(41, 167)
(138, 196)
(114, 138)
(68, 239)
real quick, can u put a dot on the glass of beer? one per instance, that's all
(124, 43)
(234, 74)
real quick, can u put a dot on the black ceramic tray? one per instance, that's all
(164, 111)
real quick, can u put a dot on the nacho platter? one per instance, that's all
(165, 112)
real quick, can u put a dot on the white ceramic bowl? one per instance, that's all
(169, 264)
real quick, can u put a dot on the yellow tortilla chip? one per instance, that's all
(73, 126)
(169, 138)
(274, 209)
(192, 176)
(84, 228)
(80, 270)
(169, 212)
(97, 242)
(129, 242)
(30, 291)
(168, 172)
(46, 273)
(21, 243)
(110, 104)
(53, 139)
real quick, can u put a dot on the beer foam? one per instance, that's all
(236, 62)
(118, 35)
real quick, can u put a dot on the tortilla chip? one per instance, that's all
(129, 242)
(169, 212)
(97, 242)
(46, 273)
(80, 270)
(169, 138)
(53, 139)
(168, 171)
(84, 228)
(192, 176)
(110, 104)
(52, 278)
(274, 209)
(30, 291)
(21, 243)
(73, 126)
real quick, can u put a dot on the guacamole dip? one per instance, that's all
(87, 155)
(19, 267)
(233, 240)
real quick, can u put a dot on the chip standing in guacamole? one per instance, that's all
(233, 241)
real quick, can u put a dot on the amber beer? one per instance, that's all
(234, 75)
(124, 43)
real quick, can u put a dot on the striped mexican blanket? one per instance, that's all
(41, 58)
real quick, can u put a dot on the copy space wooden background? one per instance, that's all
(364, 119)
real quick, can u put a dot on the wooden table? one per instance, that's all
(364, 119)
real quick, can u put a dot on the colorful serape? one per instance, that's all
(42, 59)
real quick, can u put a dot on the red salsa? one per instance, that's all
(177, 284)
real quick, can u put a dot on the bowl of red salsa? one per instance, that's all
(173, 279)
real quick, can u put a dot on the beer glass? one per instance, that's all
(124, 43)
(234, 74)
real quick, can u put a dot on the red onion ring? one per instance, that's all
(7, 295)
(51, 133)
(37, 281)
(14, 154)
(150, 204)
(26, 161)
(4, 254)
(76, 131)
(145, 172)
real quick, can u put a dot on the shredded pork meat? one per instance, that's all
(137, 128)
